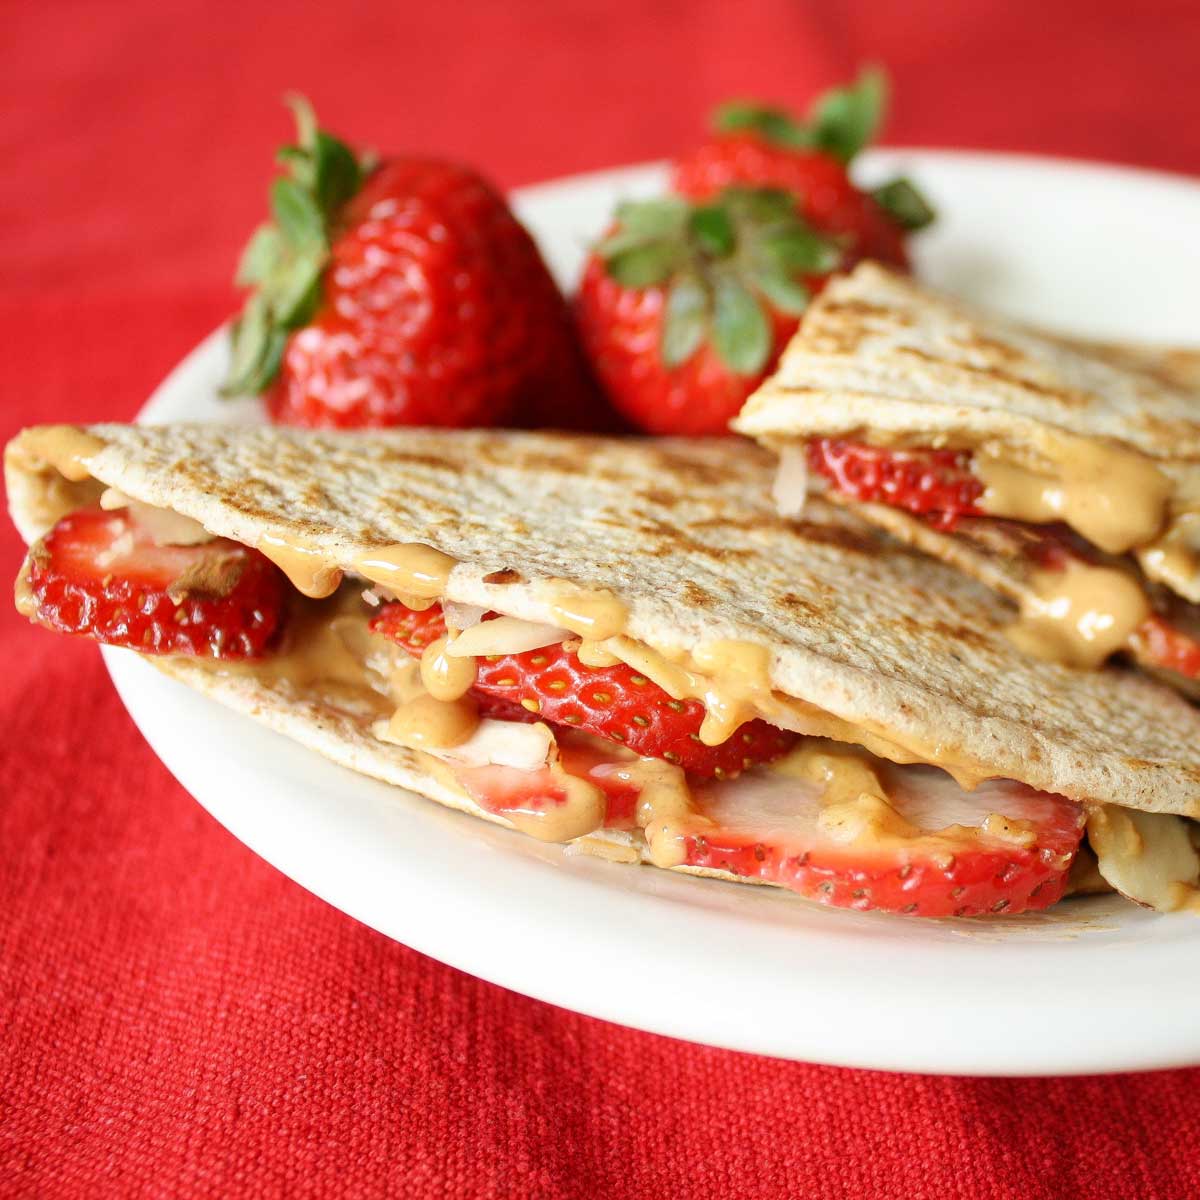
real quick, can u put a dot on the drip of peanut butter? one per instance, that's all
(426, 722)
(745, 692)
(665, 811)
(306, 567)
(446, 677)
(1080, 614)
(856, 805)
(327, 652)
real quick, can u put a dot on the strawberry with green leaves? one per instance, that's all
(684, 306)
(398, 292)
(753, 145)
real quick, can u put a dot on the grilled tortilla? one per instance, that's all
(1116, 435)
(882, 361)
(865, 640)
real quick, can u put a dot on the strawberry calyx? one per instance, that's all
(286, 257)
(841, 122)
(724, 264)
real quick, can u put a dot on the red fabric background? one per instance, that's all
(181, 1020)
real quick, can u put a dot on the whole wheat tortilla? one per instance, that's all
(877, 350)
(685, 535)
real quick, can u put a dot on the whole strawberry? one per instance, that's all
(684, 307)
(752, 145)
(398, 293)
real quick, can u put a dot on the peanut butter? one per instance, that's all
(427, 723)
(408, 567)
(1115, 497)
(665, 811)
(746, 691)
(595, 615)
(1079, 615)
(329, 653)
(579, 809)
(64, 447)
(867, 818)
(309, 571)
(856, 798)
(444, 676)
(739, 674)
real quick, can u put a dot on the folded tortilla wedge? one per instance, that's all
(1066, 474)
(932, 762)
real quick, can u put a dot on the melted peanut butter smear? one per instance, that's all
(408, 569)
(665, 811)
(1114, 497)
(856, 809)
(579, 809)
(593, 614)
(328, 651)
(1079, 615)
(62, 447)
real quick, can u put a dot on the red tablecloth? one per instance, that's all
(179, 1019)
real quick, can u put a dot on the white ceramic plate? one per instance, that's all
(1097, 985)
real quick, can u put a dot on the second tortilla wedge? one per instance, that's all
(1064, 474)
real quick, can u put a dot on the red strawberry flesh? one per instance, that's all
(437, 310)
(102, 575)
(936, 484)
(767, 828)
(614, 702)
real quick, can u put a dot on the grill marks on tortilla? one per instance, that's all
(855, 622)
(976, 374)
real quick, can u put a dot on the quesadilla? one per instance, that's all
(619, 645)
(1063, 474)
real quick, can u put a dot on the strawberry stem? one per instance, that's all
(285, 259)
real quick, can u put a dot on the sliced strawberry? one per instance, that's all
(766, 827)
(614, 702)
(102, 575)
(1165, 645)
(937, 484)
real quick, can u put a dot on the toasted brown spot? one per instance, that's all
(695, 595)
(506, 575)
(214, 575)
